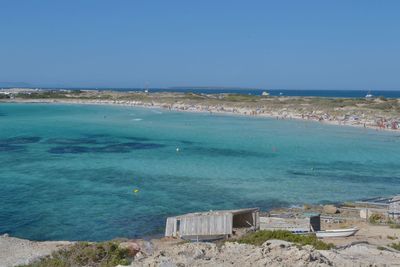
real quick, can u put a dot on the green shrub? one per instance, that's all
(104, 254)
(42, 95)
(191, 96)
(394, 225)
(240, 98)
(396, 246)
(349, 204)
(376, 218)
(259, 237)
(2, 96)
(105, 96)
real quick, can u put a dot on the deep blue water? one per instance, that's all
(70, 171)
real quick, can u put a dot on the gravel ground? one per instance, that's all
(271, 253)
(16, 251)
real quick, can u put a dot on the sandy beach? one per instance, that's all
(377, 113)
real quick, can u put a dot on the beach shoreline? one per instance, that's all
(181, 107)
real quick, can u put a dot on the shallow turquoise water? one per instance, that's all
(69, 171)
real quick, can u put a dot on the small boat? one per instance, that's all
(265, 93)
(203, 238)
(336, 233)
(368, 95)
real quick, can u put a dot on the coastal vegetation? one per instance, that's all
(240, 98)
(376, 218)
(396, 246)
(259, 237)
(102, 254)
(3, 96)
(42, 95)
(394, 225)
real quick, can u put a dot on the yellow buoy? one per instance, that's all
(135, 190)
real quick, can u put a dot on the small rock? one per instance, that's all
(198, 254)
(132, 247)
(167, 263)
(139, 256)
(276, 244)
(330, 209)
(145, 246)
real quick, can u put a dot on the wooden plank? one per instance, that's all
(206, 225)
(170, 229)
(273, 223)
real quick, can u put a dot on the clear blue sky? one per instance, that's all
(340, 44)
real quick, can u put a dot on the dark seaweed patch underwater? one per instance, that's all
(20, 140)
(18, 143)
(114, 148)
(99, 143)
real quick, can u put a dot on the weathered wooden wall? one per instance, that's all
(394, 208)
(170, 227)
(214, 224)
(275, 223)
(211, 223)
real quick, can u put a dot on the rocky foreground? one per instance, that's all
(14, 251)
(271, 253)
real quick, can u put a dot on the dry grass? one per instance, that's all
(103, 254)
(259, 237)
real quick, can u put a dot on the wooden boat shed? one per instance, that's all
(212, 224)
(389, 205)
(307, 222)
(394, 207)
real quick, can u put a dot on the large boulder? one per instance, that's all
(330, 209)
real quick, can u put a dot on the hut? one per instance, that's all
(394, 208)
(211, 225)
(307, 222)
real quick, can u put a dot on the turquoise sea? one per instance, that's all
(69, 171)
